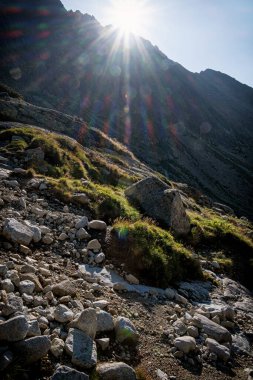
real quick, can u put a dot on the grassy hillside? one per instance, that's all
(147, 250)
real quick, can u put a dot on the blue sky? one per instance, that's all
(199, 34)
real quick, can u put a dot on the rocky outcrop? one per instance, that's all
(160, 202)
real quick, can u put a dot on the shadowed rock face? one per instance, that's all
(194, 128)
(161, 203)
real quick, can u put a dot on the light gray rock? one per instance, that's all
(14, 329)
(185, 344)
(34, 329)
(221, 351)
(57, 347)
(212, 329)
(26, 286)
(82, 234)
(197, 291)
(14, 304)
(99, 258)
(94, 245)
(17, 232)
(32, 349)
(161, 375)
(104, 321)
(63, 314)
(115, 371)
(179, 327)
(7, 285)
(103, 343)
(125, 330)
(240, 344)
(97, 225)
(160, 202)
(64, 288)
(102, 304)
(82, 223)
(48, 239)
(193, 331)
(81, 348)
(87, 322)
(63, 236)
(67, 373)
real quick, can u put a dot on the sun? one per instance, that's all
(128, 15)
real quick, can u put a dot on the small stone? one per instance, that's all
(63, 314)
(82, 223)
(8, 286)
(99, 258)
(64, 288)
(14, 329)
(34, 329)
(179, 327)
(87, 322)
(94, 245)
(80, 198)
(193, 331)
(221, 351)
(185, 344)
(25, 250)
(81, 348)
(63, 236)
(3, 270)
(117, 371)
(82, 234)
(104, 321)
(97, 225)
(125, 330)
(57, 347)
(27, 269)
(27, 287)
(103, 343)
(32, 349)
(17, 232)
(48, 239)
(66, 209)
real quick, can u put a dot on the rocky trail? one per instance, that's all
(67, 313)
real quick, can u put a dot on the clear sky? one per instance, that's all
(198, 34)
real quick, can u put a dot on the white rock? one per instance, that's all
(17, 232)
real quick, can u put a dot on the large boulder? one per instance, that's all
(32, 349)
(81, 348)
(212, 329)
(14, 329)
(17, 232)
(160, 202)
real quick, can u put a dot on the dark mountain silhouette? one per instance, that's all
(194, 128)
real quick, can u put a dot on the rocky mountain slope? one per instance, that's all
(194, 128)
(90, 286)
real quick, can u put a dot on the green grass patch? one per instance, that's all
(152, 252)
